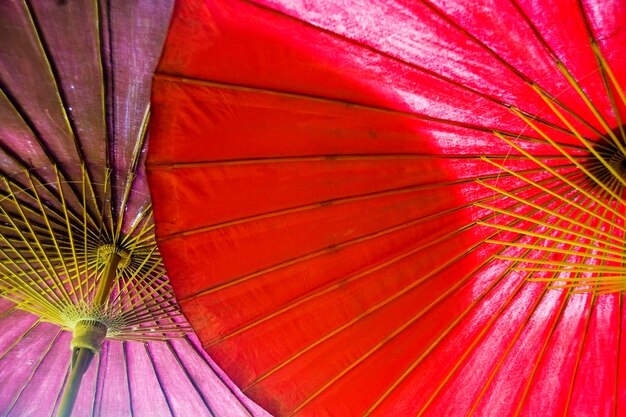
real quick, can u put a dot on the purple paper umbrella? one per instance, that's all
(85, 296)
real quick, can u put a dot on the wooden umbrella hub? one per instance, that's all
(609, 164)
(89, 334)
(104, 252)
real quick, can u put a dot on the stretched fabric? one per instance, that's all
(398, 208)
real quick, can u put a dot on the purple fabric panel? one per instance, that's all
(12, 327)
(17, 138)
(136, 38)
(50, 56)
(223, 396)
(147, 398)
(33, 120)
(183, 397)
(5, 307)
(142, 378)
(217, 395)
(140, 195)
(52, 70)
(27, 75)
(70, 30)
(40, 395)
(113, 394)
(22, 360)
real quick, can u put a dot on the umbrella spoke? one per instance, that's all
(512, 68)
(601, 236)
(605, 67)
(548, 226)
(564, 179)
(34, 251)
(537, 206)
(397, 331)
(606, 80)
(512, 267)
(586, 142)
(553, 326)
(580, 166)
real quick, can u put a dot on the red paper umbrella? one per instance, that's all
(399, 208)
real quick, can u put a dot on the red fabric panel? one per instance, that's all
(220, 128)
(559, 361)
(312, 62)
(620, 398)
(596, 372)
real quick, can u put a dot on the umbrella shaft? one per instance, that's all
(81, 358)
(107, 279)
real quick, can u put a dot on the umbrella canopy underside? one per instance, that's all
(169, 378)
(398, 208)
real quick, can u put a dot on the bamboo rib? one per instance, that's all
(474, 343)
(551, 225)
(570, 78)
(59, 226)
(607, 86)
(606, 273)
(40, 250)
(560, 148)
(325, 289)
(383, 342)
(602, 235)
(604, 70)
(555, 173)
(539, 186)
(593, 295)
(52, 268)
(495, 370)
(508, 65)
(585, 142)
(265, 375)
(515, 261)
(609, 72)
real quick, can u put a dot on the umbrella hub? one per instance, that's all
(609, 164)
(105, 251)
(618, 163)
(85, 312)
(89, 334)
